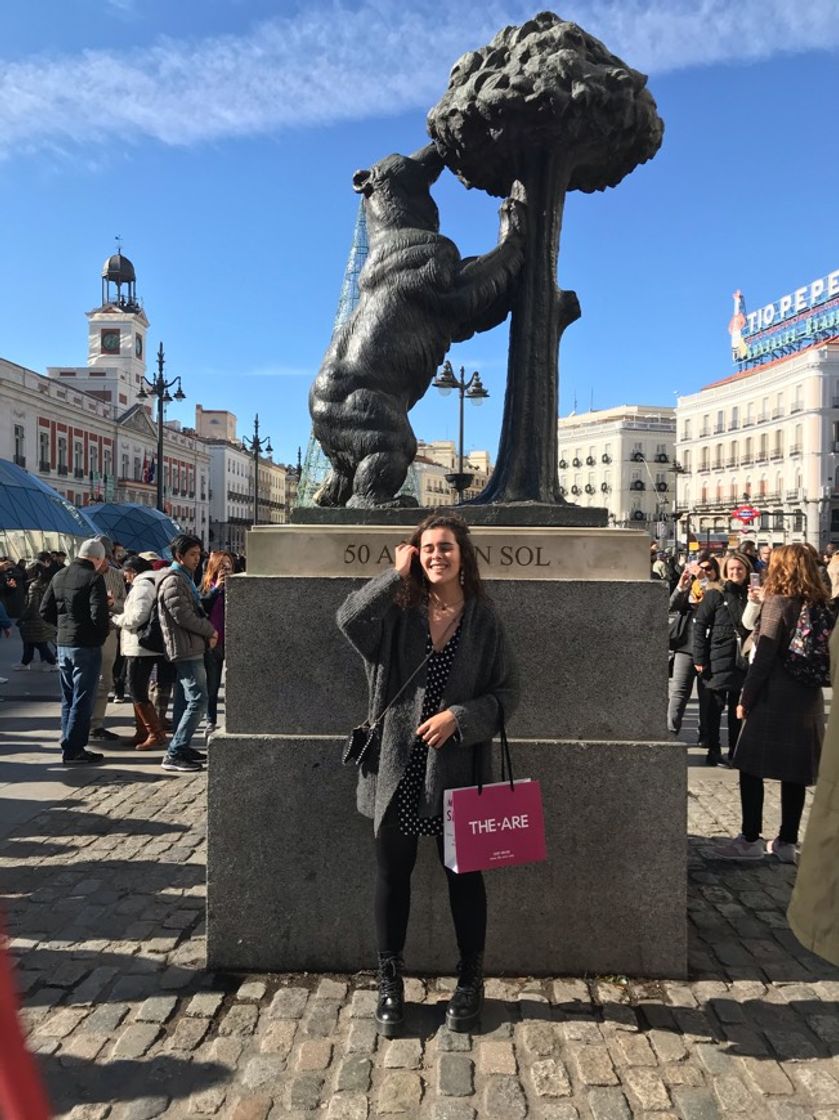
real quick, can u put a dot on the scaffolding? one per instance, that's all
(316, 464)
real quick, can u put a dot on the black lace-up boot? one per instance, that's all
(390, 1010)
(464, 1009)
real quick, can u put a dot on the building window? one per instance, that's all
(93, 460)
(44, 451)
(107, 457)
(735, 418)
(686, 430)
(138, 469)
(20, 445)
(62, 453)
(78, 457)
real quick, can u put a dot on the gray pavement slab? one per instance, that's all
(103, 880)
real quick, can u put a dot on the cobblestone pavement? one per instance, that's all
(105, 895)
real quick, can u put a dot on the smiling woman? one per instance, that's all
(442, 679)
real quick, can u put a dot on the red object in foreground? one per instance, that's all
(497, 826)
(22, 1095)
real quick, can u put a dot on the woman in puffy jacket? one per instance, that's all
(139, 662)
(718, 636)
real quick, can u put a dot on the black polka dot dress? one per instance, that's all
(408, 791)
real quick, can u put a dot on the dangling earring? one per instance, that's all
(461, 577)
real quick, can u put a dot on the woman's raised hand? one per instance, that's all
(404, 555)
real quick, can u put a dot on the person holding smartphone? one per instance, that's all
(429, 612)
(686, 597)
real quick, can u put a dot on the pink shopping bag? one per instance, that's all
(498, 825)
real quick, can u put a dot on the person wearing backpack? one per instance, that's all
(143, 582)
(187, 634)
(782, 702)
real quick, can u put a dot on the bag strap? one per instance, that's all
(506, 758)
(447, 634)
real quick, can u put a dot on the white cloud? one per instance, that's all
(331, 64)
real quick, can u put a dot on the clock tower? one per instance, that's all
(116, 350)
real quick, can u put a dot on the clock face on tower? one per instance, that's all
(110, 342)
(138, 345)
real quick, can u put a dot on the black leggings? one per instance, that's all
(396, 855)
(751, 801)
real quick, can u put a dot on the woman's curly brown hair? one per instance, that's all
(793, 570)
(414, 589)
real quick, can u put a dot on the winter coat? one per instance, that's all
(784, 727)
(136, 613)
(483, 680)
(186, 629)
(680, 604)
(33, 628)
(814, 909)
(716, 627)
(76, 602)
(213, 603)
(13, 598)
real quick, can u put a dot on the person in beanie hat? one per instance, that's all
(76, 603)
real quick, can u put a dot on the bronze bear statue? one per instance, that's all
(417, 297)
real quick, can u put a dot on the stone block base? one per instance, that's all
(291, 865)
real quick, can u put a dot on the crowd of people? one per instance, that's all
(113, 622)
(750, 629)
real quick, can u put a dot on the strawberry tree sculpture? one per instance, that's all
(542, 110)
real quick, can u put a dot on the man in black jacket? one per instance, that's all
(76, 602)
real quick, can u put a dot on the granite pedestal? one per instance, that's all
(290, 869)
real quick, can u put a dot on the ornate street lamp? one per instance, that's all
(159, 387)
(474, 391)
(255, 445)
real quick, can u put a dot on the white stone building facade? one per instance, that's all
(767, 439)
(438, 458)
(621, 459)
(83, 429)
(231, 482)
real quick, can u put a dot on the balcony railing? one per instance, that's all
(763, 417)
(792, 495)
(795, 450)
(797, 406)
(733, 425)
(776, 454)
(78, 472)
(777, 413)
(20, 460)
(762, 457)
(703, 468)
(718, 465)
(718, 428)
(747, 461)
(731, 463)
(704, 432)
(44, 466)
(748, 422)
(63, 469)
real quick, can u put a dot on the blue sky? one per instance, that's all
(219, 137)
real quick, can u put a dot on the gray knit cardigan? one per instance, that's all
(392, 642)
